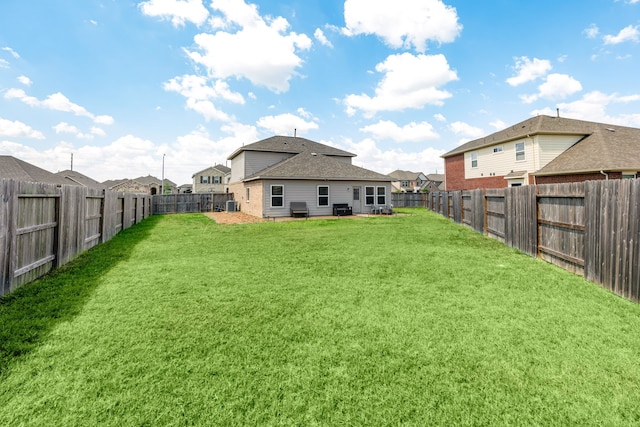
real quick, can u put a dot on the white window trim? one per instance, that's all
(271, 196)
(377, 195)
(248, 191)
(629, 175)
(474, 157)
(365, 195)
(328, 196)
(498, 149)
(524, 151)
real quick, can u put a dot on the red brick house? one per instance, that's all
(544, 150)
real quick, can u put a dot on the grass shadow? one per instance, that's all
(30, 312)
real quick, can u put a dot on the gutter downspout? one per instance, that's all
(605, 174)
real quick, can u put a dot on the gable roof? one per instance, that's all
(292, 145)
(220, 168)
(534, 126)
(113, 182)
(310, 165)
(400, 175)
(436, 177)
(76, 178)
(13, 168)
(149, 180)
(609, 148)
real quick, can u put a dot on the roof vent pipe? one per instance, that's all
(558, 112)
(295, 132)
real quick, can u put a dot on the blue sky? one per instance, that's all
(119, 83)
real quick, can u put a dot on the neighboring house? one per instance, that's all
(435, 182)
(185, 189)
(545, 149)
(407, 181)
(144, 184)
(76, 178)
(19, 170)
(214, 179)
(268, 175)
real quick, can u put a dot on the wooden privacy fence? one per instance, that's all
(190, 203)
(590, 228)
(43, 226)
(409, 200)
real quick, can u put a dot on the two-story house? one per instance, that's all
(214, 179)
(267, 175)
(544, 149)
(407, 181)
(143, 184)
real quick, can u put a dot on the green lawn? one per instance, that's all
(374, 321)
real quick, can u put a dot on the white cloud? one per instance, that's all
(591, 31)
(284, 124)
(56, 102)
(97, 131)
(466, 131)
(64, 127)
(439, 117)
(593, 107)
(409, 82)
(370, 156)
(412, 132)
(261, 50)
(177, 11)
(403, 23)
(4, 63)
(556, 86)
(200, 93)
(319, 35)
(18, 129)
(528, 70)
(498, 124)
(11, 51)
(24, 80)
(629, 33)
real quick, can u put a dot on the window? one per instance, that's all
(204, 179)
(369, 195)
(248, 194)
(405, 183)
(519, 151)
(474, 160)
(382, 195)
(497, 149)
(217, 180)
(323, 195)
(628, 175)
(356, 193)
(277, 196)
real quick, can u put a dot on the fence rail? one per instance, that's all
(409, 200)
(43, 226)
(190, 203)
(590, 228)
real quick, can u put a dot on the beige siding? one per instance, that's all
(502, 163)
(551, 146)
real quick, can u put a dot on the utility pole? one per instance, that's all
(162, 185)
(71, 162)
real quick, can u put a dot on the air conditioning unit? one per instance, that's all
(231, 206)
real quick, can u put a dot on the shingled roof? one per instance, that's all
(76, 178)
(608, 148)
(310, 165)
(291, 144)
(13, 168)
(401, 175)
(538, 125)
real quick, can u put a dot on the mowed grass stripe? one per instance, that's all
(375, 321)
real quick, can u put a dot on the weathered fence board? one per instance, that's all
(409, 200)
(43, 226)
(590, 228)
(190, 203)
